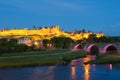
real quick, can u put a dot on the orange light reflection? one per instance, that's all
(73, 70)
(86, 68)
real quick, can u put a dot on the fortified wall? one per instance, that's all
(45, 33)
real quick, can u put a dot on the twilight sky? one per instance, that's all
(94, 15)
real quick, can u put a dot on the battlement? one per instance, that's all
(45, 33)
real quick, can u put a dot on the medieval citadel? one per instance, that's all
(45, 33)
(35, 36)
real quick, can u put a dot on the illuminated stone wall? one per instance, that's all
(45, 33)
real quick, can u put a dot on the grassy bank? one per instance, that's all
(106, 59)
(38, 58)
(33, 53)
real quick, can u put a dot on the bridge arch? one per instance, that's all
(92, 49)
(78, 46)
(109, 48)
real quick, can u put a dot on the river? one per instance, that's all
(75, 70)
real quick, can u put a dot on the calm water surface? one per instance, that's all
(75, 70)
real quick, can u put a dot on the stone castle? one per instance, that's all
(45, 33)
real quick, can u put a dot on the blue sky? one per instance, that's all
(94, 15)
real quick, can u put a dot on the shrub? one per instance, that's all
(20, 48)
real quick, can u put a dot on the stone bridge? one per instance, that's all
(97, 47)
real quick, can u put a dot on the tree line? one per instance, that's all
(11, 45)
(61, 42)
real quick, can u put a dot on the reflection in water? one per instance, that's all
(73, 70)
(117, 66)
(76, 70)
(86, 73)
(110, 66)
(86, 67)
(44, 74)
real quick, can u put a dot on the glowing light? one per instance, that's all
(44, 33)
(86, 73)
(86, 68)
(110, 66)
(73, 70)
(99, 34)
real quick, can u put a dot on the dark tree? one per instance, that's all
(45, 42)
(61, 42)
(92, 38)
(83, 31)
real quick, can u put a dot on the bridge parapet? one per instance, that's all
(102, 47)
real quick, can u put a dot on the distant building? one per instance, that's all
(25, 40)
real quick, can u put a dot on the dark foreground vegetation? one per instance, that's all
(52, 57)
(17, 55)
(11, 45)
(108, 58)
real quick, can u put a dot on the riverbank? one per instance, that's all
(39, 58)
(107, 58)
